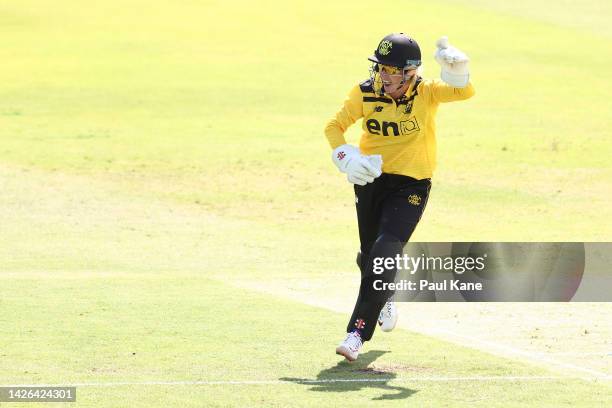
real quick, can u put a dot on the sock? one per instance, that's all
(358, 332)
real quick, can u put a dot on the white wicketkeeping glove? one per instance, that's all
(359, 169)
(454, 63)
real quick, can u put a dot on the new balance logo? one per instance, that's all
(341, 155)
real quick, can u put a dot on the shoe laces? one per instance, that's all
(389, 309)
(353, 340)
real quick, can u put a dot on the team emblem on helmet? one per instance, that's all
(385, 47)
(414, 199)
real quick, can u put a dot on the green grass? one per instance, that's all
(216, 110)
(157, 156)
(586, 15)
(106, 328)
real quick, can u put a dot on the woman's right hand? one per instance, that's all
(359, 169)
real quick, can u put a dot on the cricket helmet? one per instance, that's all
(397, 50)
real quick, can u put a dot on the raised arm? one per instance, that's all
(454, 73)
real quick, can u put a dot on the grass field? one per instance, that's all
(172, 232)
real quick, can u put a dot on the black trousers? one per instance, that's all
(388, 211)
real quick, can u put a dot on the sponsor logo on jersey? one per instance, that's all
(408, 106)
(404, 127)
(378, 109)
(409, 126)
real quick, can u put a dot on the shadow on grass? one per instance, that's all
(356, 376)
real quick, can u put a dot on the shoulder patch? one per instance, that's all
(366, 86)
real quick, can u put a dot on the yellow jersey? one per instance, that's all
(402, 131)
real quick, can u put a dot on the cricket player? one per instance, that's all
(392, 168)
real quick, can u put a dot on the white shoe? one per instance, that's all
(350, 347)
(387, 319)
